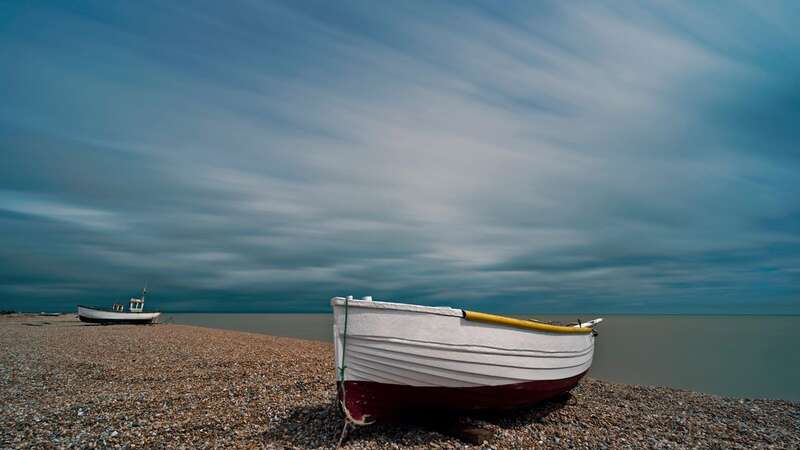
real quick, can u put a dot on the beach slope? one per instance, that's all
(64, 383)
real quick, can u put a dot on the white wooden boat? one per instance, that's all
(394, 358)
(117, 313)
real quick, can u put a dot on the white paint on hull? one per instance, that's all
(115, 316)
(426, 346)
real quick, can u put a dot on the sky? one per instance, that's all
(628, 157)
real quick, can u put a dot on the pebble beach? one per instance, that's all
(65, 384)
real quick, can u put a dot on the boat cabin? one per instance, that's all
(137, 305)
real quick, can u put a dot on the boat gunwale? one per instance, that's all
(394, 306)
(473, 316)
(494, 319)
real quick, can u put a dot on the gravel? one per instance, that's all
(66, 384)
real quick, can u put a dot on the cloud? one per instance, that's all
(554, 157)
(82, 217)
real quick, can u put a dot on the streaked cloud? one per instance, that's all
(516, 157)
(27, 205)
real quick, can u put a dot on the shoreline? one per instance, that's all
(65, 383)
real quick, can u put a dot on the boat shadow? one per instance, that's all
(321, 425)
(525, 416)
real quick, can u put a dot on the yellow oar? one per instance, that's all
(519, 323)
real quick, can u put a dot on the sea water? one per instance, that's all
(736, 356)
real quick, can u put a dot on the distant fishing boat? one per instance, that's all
(117, 314)
(396, 358)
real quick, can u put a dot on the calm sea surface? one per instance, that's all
(739, 356)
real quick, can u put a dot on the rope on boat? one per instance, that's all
(347, 418)
(344, 344)
(343, 435)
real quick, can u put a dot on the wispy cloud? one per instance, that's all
(29, 205)
(555, 156)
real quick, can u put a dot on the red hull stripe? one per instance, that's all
(116, 321)
(368, 400)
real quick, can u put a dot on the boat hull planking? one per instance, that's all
(368, 401)
(395, 358)
(95, 315)
(116, 321)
